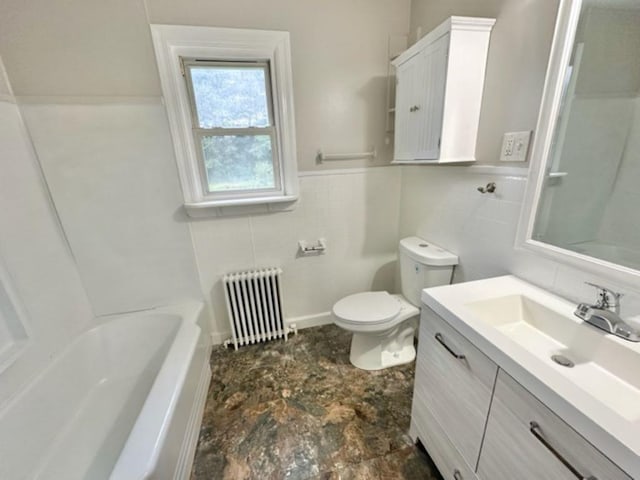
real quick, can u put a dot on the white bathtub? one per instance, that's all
(123, 401)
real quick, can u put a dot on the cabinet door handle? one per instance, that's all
(457, 475)
(536, 431)
(438, 337)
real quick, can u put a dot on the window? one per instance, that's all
(233, 125)
(229, 99)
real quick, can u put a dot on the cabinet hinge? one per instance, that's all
(181, 66)
(439, 142)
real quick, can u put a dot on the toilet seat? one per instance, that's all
(367, 308)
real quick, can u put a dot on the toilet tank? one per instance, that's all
(422, 265)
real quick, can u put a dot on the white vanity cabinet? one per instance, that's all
(440, 80)
(454, 380)
(477, 422)
(526, 440)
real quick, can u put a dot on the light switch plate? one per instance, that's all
(515, 146)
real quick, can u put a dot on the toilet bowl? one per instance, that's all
(383, 325)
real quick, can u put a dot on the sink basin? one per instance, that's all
(600, 365)
(521, 327)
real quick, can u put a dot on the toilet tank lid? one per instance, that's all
(427, 253)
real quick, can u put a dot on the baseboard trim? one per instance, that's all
(218, 338)
(304, 321)
(308, 321)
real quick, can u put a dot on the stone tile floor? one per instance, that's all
(299, 410)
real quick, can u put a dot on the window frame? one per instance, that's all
(172, 44)
(199, 132)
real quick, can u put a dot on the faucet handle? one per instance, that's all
(607, 298)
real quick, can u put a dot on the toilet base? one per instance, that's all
(375, 351)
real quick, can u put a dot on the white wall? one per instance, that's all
(339, 59)
(442, 204)
(595, 126)
(592, 149)
(100, 114)
(91, 99)
(339, 56)
(357, 214)
(94, 111)
(38, 260)
(621, 220)
(5, 87)
(516, 65)
(611, 39)
(77, 48)
(114, 181)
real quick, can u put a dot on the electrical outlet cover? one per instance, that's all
(521, 146)
(515, 146)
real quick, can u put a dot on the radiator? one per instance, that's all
(254, 305)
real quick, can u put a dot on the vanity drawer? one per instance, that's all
(450, 463)
(455, 380)
(526, 440)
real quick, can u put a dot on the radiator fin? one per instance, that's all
(254, 306)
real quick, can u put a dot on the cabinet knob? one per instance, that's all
(457, 475)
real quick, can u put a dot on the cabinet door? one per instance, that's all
(525, 440)
(407, 76)
(420, 92)
(450, 462)
(455, 381)
(430, 100)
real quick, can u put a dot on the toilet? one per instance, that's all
(383, 325)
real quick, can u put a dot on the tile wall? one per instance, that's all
(441, 204)
(40, 270)
(114, 181)
(356, 211)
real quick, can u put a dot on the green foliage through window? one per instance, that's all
(241, 162)
(232, 112)
(230, 97)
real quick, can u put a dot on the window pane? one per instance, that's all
(230, 97)
(238, 162)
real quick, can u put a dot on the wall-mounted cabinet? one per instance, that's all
(440, 81)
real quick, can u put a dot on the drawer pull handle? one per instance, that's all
(457, 475)
(441, 341)
(536, 431)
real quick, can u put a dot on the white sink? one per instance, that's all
(602, 367)
(520, 327)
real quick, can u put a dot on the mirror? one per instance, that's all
(588, 191)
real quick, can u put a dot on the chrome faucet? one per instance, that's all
(605, 314)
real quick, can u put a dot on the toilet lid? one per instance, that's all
(367, 307)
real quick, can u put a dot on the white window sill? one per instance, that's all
(242, 206)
